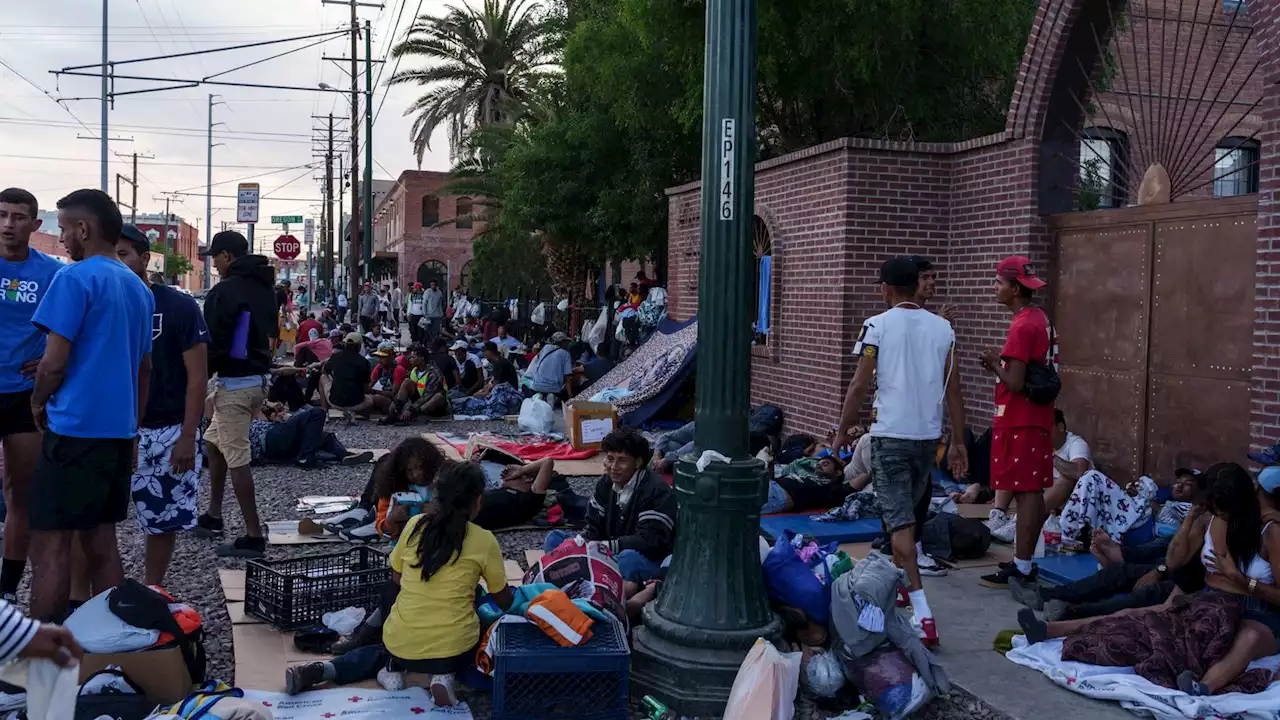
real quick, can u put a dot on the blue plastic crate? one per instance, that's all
(536, 679)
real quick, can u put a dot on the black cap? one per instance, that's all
(227, 241)
(900, 272)
(1179, 472)
(922, 263)
(135, 236)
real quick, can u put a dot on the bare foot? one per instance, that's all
(1105, 549)
(970, 494)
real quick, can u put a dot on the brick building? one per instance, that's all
(829, 215)
(181, 237)
(409, 238)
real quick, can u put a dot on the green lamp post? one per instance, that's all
(713, 606)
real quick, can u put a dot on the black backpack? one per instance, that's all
(951, 537)
(1042, 383)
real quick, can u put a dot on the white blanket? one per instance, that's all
(356, 703)
(1141, 695)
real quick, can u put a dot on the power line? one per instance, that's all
(308, 166)
(387, 90)
(154, 164)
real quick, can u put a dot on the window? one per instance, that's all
(464, 278)
(762, 249)
(434, 270)
(1235, 170)
(1103, 155)
(464, 220)
(430, 210)
(1233, 6)
(153, 234)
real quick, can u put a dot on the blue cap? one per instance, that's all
(1269, 479)
(1266, 456)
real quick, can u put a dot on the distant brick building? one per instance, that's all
(829, 215)
(180, 237)
(408, 231)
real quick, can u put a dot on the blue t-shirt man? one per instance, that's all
(551, 367)
(106, 312)
(176, 327)
(22, 285)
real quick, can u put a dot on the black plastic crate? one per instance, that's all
(291, 594)
(536, 679)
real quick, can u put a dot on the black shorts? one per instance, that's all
(15, 414)
(507, 507)
(80, 483)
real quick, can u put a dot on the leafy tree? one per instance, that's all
(175, 263)
(481, 63)
(508, 264)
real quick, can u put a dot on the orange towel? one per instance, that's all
(559, 618)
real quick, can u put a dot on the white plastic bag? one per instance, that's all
(344, 621)
(823, 675)
(766, 685)
(539, 315)
(596, 335)
(536, 416)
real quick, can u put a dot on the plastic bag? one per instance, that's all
(888, 679)
(539, 315)
(596, 335)
(345, 621)
(536, 416)
(823, 675)
(766, 685)
(789, 581)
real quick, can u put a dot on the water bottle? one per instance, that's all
(655, 710)
(1052, 534)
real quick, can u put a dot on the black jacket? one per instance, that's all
(646, 524)
(249, 285)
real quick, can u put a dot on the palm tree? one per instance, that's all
(482, 65)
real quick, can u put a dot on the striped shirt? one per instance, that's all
(16, 631)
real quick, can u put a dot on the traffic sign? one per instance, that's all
(287, 247)
(286, 219)
(247, 203)
(309, 231)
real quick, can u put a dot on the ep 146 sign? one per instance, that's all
(728, 145)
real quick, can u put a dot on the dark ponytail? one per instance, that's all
(1231, 493)
(440, 537)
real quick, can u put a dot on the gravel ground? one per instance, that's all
(193, 575)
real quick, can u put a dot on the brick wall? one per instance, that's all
(1265, 387)
(399, 220)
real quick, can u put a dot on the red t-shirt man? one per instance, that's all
(306, 326)
(1022, 431)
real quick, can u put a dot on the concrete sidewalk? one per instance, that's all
(969, 617)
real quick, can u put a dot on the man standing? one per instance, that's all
(25, 274)
(416, 312)
(241, 314)
(397, 306)
(341, 301)
(911, 353)
(367, 307)
(1022, 431)
(433, 306)
(166, 483)
(91, 389)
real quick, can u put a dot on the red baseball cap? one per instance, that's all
(1018, 269)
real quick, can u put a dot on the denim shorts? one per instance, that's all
(900, 476)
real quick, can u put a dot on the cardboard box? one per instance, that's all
(586, 423)
(162, 674)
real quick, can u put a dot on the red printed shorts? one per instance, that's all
(1021, 459)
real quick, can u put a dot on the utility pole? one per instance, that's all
(692, 642)
(164, 237)
(353, 253)
(208, 175)
(328, 211)
(343, 249)
(102, 130)
(133, 207)
(368, 150)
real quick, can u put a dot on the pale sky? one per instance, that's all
(267, 132)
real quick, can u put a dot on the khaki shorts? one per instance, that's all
(229, 429)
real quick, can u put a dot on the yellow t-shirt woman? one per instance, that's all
(437, 618)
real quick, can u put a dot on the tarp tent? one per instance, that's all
(653, 373)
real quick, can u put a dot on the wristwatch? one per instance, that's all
(1163, 570)
(1253, 585)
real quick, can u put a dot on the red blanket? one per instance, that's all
(534, 448)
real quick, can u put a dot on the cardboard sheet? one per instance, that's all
(286, 532)
(975, 511)
(412, 702)
(235, 610)
(996, 554)
(533, 556)
(515, 576)
(232, 584)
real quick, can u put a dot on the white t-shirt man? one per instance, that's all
(1075, 448)
(911, 346)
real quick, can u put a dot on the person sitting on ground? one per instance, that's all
(316, 347)
(633, 510)
(552, 370)
(444, 363)
(1131, 576)
(376, 336)
(1240, 551)
(500, 368)
(278, 437)
(811, 483)
(413, 461)
(500, 396)
(348, 374)
(1071, 460)
(521, 497)
(308, 324)
(432, 627)
(388, 374)
(327, 321)
(506, 344)
(469, 370)
(422, 393)
(671, 446)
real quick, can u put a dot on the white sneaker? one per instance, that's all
(441, 689)
(390, 680)
(355, 517)
(1007, 531)
(928, 566)
(364, 533)
(995, 519)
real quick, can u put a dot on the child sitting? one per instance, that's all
(410, 467)
(432, 627)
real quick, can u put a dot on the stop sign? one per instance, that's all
(287, 247)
